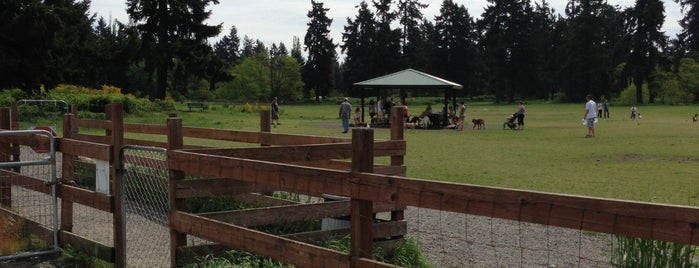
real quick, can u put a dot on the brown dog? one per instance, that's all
(480, 123)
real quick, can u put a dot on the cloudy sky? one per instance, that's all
(274, 21)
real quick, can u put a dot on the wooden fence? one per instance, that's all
(317, 166)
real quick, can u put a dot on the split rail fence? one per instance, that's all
(315, 167)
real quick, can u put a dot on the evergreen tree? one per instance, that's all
(546, 42)
(297, 50)
(387, 40)
(646, 20)
(413, 39)
(321, 52)
(27, 35)
(248, 47)
(228, 48)
(116, 50)
(690, 24)
(172, 29)
(358, 46)
(73, 53)
(455, 52)
(588, 64)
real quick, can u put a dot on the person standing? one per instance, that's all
(275, 111)
(590, 115)
(372, 111)
(606, 109)
(462, 116)
(633, 112)
(345, 113)
(520, 116)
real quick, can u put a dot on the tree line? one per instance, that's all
(515, 49)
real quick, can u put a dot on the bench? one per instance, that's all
(196, 105)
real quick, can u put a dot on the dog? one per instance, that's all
(409, 126)
(479, 123)
(362, 124)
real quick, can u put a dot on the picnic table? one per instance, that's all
(196, 105)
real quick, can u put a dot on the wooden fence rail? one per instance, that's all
(318, 166)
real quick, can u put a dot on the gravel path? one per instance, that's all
(457, 240)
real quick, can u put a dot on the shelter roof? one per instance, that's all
(408, 78)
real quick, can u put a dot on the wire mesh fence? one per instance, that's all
(145, 206)
(27, 199)
(460, 240)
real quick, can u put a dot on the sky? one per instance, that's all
(275, 21)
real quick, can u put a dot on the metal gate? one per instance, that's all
(144, 188)
(28, 203)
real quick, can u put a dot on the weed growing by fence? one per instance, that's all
(636, 252)
(71, 257)
(235, 258)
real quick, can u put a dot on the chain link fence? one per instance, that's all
(144, 177)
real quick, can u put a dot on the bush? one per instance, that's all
(672, 94)
(628, 95)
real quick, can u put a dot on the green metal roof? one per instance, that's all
(408, 78)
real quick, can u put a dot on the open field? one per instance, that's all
(655, 159)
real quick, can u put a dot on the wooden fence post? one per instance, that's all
(265, 125)
(362, 237)
(397, 133)
(5, 149)
(175, 141)
(67, 172)
(115, 113)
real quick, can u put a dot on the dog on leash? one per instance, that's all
(478, 123)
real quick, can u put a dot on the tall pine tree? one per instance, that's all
(646, 20)
(317, 72)
(413, 39)
(172, 29)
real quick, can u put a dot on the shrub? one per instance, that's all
(628, 95)
(672, 94)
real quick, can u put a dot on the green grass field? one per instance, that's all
(655, 159)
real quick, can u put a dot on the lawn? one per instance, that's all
(655, 159)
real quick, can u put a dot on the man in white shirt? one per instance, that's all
(590, 115)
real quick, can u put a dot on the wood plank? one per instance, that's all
(216, 187)
(94, 150)
(286, 153)
(221, 134)
(86, 197)
(381, 230)
(35, 140)
(282, 177)
(297, 153)
(261, 200)
(146, 129)
(87, 246)
(293, 139)
(282, 249)
(93, 123)
(568, 211)
(145, 143)
(92, 138)
(290, 213)
(25, 181)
